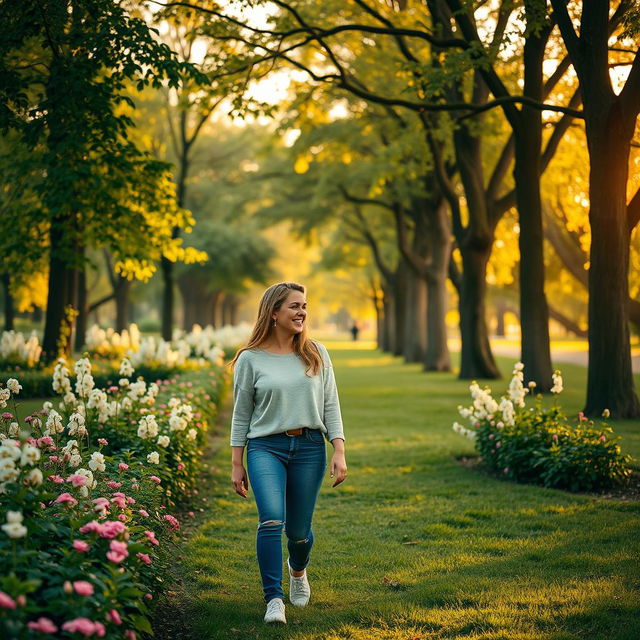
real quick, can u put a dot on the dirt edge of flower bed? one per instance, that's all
(629, 492)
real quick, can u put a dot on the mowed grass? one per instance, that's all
(415, 546)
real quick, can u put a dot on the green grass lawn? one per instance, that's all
(414, 545)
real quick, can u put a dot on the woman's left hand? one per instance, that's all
(338, 467)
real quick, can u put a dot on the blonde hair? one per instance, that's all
(272, 299)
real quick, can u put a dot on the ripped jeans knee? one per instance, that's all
(279, 524)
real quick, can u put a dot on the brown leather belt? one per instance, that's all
(295, 432)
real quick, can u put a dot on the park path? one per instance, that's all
(572, 353)
(415, 546)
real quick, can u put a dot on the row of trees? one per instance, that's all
(426, 74)
(420, 130)
(83, 185)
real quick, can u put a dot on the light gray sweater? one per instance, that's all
(272, 393)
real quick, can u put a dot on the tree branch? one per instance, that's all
(569, 36)
(500, 169)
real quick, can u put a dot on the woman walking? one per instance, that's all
(285, 405)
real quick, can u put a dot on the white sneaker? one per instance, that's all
(275, 611)
(299, 589)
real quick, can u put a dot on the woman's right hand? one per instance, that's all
(239, 480)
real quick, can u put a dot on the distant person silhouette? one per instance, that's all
(355, 331)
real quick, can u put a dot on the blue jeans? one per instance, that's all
(285, 473)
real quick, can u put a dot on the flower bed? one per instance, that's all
(541, 445)
(89, 492)
(152, 357)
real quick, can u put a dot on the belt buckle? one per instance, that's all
(294, 432)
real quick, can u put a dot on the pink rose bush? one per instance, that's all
(77, 487)
(540, 444)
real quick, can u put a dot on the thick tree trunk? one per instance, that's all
(610, 380)
(379, 311)
(415, 327)
(123, 287)
(233, 310)
(57, 293)
(476, 359)
(226, 310)
(399, 299)
(534, 313)
(9, 307)
(388, 319)
(83, 310)
(436, 356)
(214, 308)
(168, 280)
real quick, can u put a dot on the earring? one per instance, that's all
(274, 322)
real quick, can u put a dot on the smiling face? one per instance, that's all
(292, 313)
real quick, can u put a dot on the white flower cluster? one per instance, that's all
(517, 392)
(154, 351)
(5, 394)
(107, 340)
(84, 379)
(126, 370)
(208, 343)
(76, 424)
(71, 454)
(147, 427)
(15, 348)
(484, 407)
(14, 386)
(468, 433)
(14, 527)
(202, 339)
(13, 457)
(181, 415)
(62, 383)
(557, 382)
(99, 401)
(97, 462)
(53, 424)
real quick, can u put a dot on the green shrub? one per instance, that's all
(541, 445)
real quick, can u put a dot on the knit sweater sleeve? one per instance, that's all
(332, 414)
(243, 400)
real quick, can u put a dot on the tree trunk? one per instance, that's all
(214, 308)
(168, 280)
(83, 310)
(476, 359)
(233, 310)
(534, 313)
(188, 306)
(379, 311)
(57, 292)
(610, 380)
(415, 327)
(9, 307)
(123, 287)
(226, 310)
(388, 320)
(399, 311)
(436, 356)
